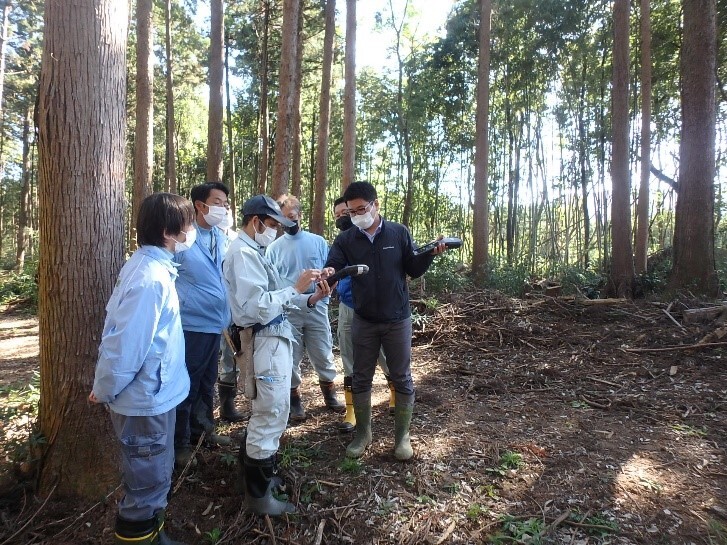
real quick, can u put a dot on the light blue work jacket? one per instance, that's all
(140, 369)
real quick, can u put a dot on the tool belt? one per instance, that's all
(240, 340)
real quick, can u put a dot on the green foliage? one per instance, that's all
(309, 491)
(520, 531)
(509, 279)
(445, 275)
(352, 466)
(576, 280)
(19, 289)
(229, 459)
(508, 461)
(601, 526)
(295, 455)
(717, 533)
(213, 536)
(475, 511)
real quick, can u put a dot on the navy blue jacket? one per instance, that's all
(381, 295)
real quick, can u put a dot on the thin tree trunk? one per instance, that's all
(283, 127)
(22, 234)
(263, 123)
(642, 211)
(349, 99)
(295, 174)
(170, 163)
(82, 125)
(231, 182)
(216, 74)
(480, 220)
(319, 202)
(144, 128)
(622, 261)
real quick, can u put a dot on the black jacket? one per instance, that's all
(381, 295)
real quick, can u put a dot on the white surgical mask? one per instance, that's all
(267, 236)
(227, 222)
(188, 242)
(366, 220)
(216, 215)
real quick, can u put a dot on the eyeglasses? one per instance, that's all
(223, 204)
(361, 210)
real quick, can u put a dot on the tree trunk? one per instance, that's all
(231, 182)
(82, 126)
(694, 266)
(295, 174)
(170, 163)
(480, 219)
(22, 233)
(216, 73)
(319, 202)
(622, 261)
(144, 129)
(283, 127)
(349, 99)
(642, 210)
(3, 47)
(263, 126)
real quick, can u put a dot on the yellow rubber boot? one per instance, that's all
(392, 395)
(349, 420)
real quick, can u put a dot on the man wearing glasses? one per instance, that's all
(205, 313)
(382, 313)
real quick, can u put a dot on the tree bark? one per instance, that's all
(480, 220)
(284, 125)
(144, 127)
(216, 73)
(694, 266)
(263, 126)
(170, 162)
(295, 174)
(232, 174)
(642, 210)
(82, 125)
(622, 261)
(22, 234)
(349, 99)
(319, 202)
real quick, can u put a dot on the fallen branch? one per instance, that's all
(675, 348)
(668, 315)
(27, 522)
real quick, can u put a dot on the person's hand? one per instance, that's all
(322, 290)
(441, 247)
(92, 398)
(306, 278)
(328, 271)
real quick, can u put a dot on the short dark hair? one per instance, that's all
(360, 190)
(162, 213)
(339, 200)
(201, 192)
(247, 219)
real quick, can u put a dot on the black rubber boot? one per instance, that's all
(142, 532)
(228, 411)
(259, 498)
(297, 412)
(329, 397)
(277, 483)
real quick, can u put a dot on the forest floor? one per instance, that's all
(536, 422)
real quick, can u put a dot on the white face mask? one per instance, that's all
(267, 236)
(188, 242)
(366, 220)
(216, 215)
(227, 222)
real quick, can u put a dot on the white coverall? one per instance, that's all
(257, 296)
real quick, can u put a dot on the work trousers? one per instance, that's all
(273, 362)
(194, 414)
(312, 331)
(147, 460)
(228, 370)
(345, 342)
(368, 339)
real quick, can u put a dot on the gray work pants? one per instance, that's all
(368, 339)
(147, 460)
(345, 342)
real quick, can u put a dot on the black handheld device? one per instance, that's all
(351, 270)
(449, 242)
